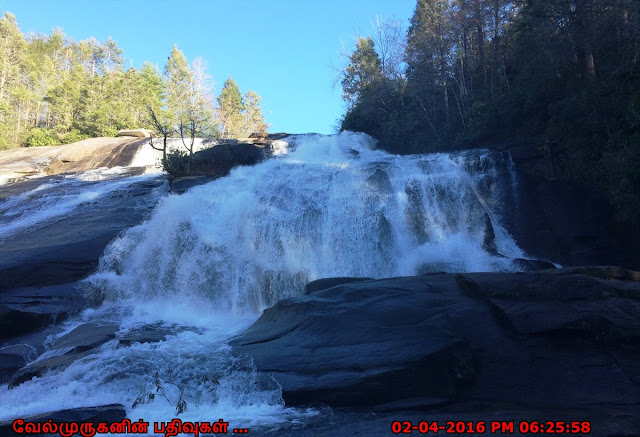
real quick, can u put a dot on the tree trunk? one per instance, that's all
(584, 39)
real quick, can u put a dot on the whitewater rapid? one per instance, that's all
(207, 262)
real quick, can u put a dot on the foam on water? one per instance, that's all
(208, 261)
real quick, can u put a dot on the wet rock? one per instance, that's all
(148, 333)
(180, 185)
(567, 224)
(28, 309)
(67, 349)
(220, 159)
(86, 337)
(361, 343)
(561, 338)
(13, 358)
(323, 284)
(568, 303)
(83, 155)
(379, 181)
(15, 321)
(532, 264)
(58, 252)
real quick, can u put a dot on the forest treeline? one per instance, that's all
(561, 76)
(56, 90)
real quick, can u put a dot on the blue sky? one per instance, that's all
(285, 50)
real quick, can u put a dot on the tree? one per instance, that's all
(188, 99)
(13, 50)
(64, 100)
(200, 103)
(54, 87)
(230, 107)
(390, 44)
(161, 122)
(254, 122)
(178, 82)
(112, 55)
(364, 67)
(428, 49)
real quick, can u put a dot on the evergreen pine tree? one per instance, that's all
(178, 79)
(364, 67)
(254, 119)
(231, 105)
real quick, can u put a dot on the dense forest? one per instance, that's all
(56, 90)
(560, 76)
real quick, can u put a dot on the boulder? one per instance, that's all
(148, 333)
(220, 159)
(27, 309)
(180, 185)
(89, 154)
(322, 284)
(13, 358)
(19, 351)
(543, 340)
(67, 349)
(139, 133)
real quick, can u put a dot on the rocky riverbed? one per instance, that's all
(553, 345)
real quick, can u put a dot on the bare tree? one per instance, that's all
(164, 127)
(197, 117)
(390, 43)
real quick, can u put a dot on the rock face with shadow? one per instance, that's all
(218, 160)
(41, 265)
(536, 341)
(65, 249)
(562, 222)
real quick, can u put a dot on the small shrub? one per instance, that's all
(72, 137)
(42, 137)
(109, 132)
(176, 163)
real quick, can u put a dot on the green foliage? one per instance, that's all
(565, 75)
(80, 89)
(73, 136)
(150, 85)
(239, 117)
(178, 79)
(254, 122)
(230, 98)
(621, 168)
(231, 105)
(176, 163)
(363, 69)
(42, 137)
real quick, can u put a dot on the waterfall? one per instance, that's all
(206, 262)
(332, 206)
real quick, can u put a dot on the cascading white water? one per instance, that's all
(206, 263)
(331, 207)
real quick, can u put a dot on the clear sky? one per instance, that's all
(285, 50)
